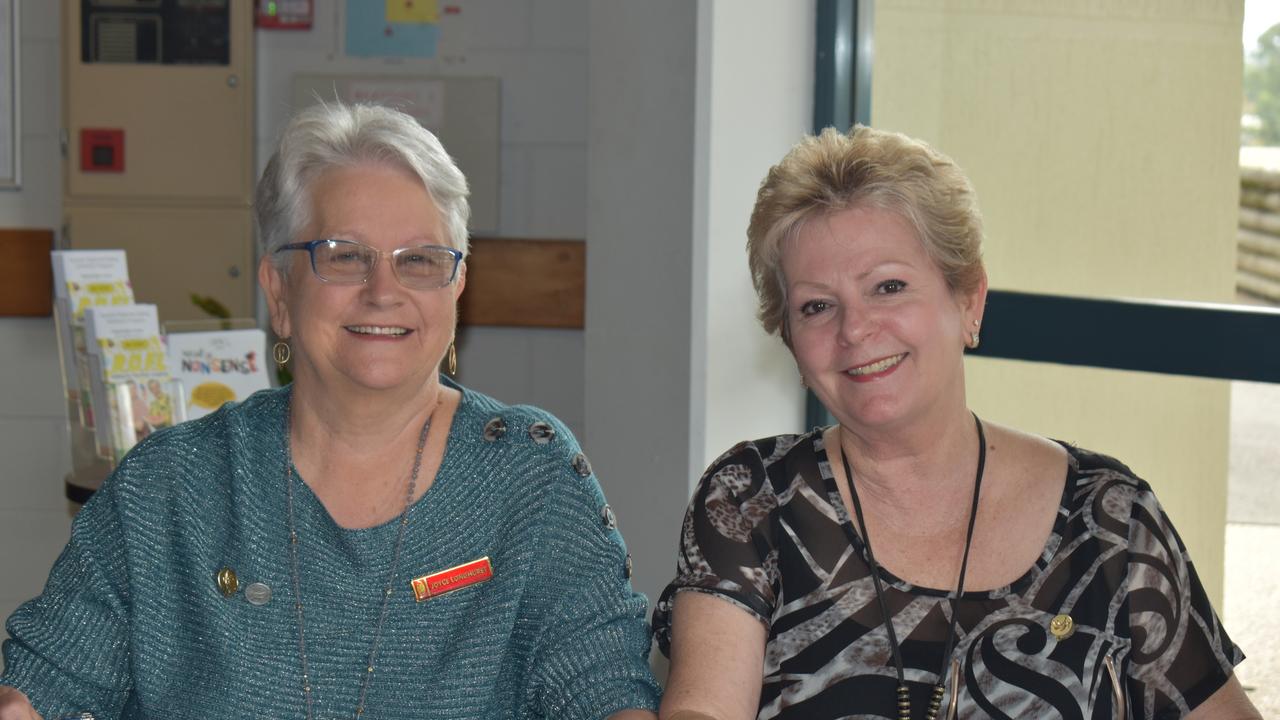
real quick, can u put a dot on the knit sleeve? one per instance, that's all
(68, 648)
(1181, 653)
(593, 648)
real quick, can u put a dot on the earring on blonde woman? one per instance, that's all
(451, 362)
(281, 353)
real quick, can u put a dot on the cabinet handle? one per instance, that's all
(233, 80)
(234, 271)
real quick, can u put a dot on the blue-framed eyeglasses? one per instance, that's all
(347, 262)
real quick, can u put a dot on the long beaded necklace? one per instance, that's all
(939, 689)
(391, 573)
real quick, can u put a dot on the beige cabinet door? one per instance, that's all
(174, 252)
(187, 128)
(166, 91)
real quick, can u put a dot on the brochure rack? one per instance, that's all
(121, 380)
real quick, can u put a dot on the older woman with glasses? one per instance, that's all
(374, 540)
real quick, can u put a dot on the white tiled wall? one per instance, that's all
(34, 515)
(542, 368)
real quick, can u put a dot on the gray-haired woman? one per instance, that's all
(372, 541)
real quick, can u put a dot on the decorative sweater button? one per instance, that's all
(607, 517)
(495, 429)
(542, 433)
(581, 465)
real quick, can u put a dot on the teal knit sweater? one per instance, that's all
(132, 623)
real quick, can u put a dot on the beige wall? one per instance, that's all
(1102, 137)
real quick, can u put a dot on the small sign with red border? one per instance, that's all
(102, 150)
(455, 578)
(284, 14)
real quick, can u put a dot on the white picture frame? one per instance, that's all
(10, 97)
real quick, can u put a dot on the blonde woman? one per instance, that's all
(914, 560)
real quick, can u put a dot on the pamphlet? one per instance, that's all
(130, 384)
(217, 367)
(84, 279)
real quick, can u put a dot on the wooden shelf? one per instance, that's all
(525, 283)
(26, 275)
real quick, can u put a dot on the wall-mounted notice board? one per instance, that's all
(462, 111)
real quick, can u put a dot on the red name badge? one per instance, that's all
(455, 578)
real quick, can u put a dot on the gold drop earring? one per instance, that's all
(281, 352)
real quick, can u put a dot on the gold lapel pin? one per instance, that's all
(1061, 626)
(228, 583)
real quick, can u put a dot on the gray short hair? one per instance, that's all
(333, 134)
(866, 167)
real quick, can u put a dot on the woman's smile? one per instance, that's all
(877, 369)
(388, 332)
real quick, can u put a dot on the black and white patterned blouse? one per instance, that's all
(767, 531)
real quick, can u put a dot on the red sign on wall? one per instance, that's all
(283, 14)
(102, 150)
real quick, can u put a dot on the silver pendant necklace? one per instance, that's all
(391, 573)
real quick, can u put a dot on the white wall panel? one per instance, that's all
(559, 24)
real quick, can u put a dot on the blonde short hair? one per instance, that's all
(865, 168)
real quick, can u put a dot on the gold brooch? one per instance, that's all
(1061, 626)
(228, 583)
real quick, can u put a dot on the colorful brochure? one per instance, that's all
(84, 279)
(131, 387)
(217, 367)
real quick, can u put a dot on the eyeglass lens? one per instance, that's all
(343, 261)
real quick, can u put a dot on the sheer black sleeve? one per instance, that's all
(727, 543)
(1181, 654)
